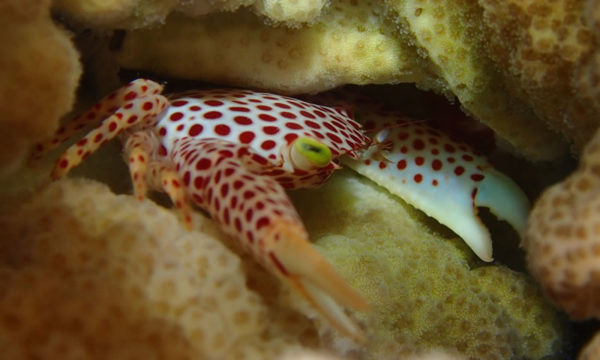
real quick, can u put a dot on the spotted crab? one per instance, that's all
(234, 152)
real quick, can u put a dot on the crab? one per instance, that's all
(234, 153)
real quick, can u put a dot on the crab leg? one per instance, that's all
(126, 116)
(101, 110)
(150, 170)
(445, 179)
(137, 150)
(256, 210)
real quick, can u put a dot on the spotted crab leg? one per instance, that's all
(125, 117)
(445, 179)
(150, 170)
(256, 210)
(101, 110)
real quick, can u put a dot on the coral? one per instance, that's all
(591, 351)
(106, 276)
(542, 48)
(39, 71)
(115, 13)
(421, 287)
(449, 34)
(143, 13)
(347, 45)
(562, 241)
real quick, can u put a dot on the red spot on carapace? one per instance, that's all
(242, 120)
(179, 103)
(176, 116)
(222, 130)
(288, 115)
(459, 170)
(289, 138)
(267, 117)
(246, 137)
(195, 130)
(270, 130)
(267, 145)
(213, 102)
(418, 178)
(212, 115)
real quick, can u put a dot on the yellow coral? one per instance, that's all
(349, 44)
(143, 13)
(39, 72)
(420, 285)
(450, 34)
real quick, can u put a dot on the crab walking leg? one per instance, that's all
(101, 110)
(255, 210)
(137, 151)
(140, 110)
(164, 178)
(445, 179)
(149, 170)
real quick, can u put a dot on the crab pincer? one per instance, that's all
(444, 178)
(255, 209)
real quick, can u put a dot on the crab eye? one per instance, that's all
(307, 153)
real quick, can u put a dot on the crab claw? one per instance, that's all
(255, 210)
(302, 267)
(445, 179)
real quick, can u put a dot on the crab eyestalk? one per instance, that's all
(307, 154)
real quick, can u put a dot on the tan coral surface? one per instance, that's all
(541, 47)
(563, 238)
(39, 73)
(349, 44)
(88, 274)
(144, 13)
(450, 37)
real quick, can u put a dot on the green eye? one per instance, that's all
(315, 152)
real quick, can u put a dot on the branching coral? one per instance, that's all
(39, 71)
(563, 242)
